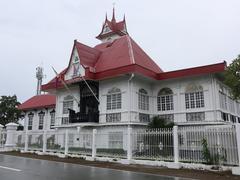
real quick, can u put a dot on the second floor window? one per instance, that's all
(114, 99)
(30, 121)
(52, 118)
(67, 104)
(165, 100)
(194, 97)
(143, 99)
(41, 120)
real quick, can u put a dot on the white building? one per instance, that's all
(131, 89)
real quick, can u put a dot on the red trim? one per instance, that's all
(134, 68)
(208, 69)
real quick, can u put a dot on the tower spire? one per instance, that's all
(113, 14)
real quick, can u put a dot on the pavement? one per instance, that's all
(20, 168)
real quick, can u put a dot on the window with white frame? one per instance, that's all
(114, 99)
(195, 116)
(145, 118)
(113, 117)
(167, 117)
(233, 119)
(194, 97)
(41, 120)
(238, 108)
(65, 120)
(115, 140)
(224, 116)
(143, 99)
(165, 100)
(223, 100)
(231, 105)
(52, 118)
(67, 104)
(30, 121)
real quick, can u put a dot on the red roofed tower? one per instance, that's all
(112, 30)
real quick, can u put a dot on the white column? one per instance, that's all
(66, 142)
(94, 143)
(44, 141)
(1, 135)
(129, 143)
(11, 130)
(238, 140)
(26, 141)
(175, 144)
(236, 170)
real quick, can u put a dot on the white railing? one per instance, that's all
(19, 139)
(80, 142)
(209, 144)
(200, 144)
(155, 144)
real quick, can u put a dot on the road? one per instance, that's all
(19, 168)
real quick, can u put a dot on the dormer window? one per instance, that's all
(106, 29)
(76, 66)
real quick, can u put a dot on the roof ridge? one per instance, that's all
(130, 50)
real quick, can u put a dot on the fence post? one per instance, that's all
(26, 141)
(238, 141)
(129, 143)
(236, 170)
(11, 129)
(1, 135)
(94, 143)
(44, 141)
(175, 144)
(66, 143)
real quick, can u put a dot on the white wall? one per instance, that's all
(35, 125)
(60, 94)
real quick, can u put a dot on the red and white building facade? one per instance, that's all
(131, 89)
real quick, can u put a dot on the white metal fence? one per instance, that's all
(155, 144)
(200, 144)
(3, 136)
(212, 145)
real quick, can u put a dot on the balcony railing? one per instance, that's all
(83, 117)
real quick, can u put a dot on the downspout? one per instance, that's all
(130, 97)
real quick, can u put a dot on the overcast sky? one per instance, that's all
(175, 33)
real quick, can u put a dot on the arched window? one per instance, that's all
(30, 120)
(114, 99)
(67, 104)
(165, 99)
(41, 120)
(194, 97)
(143, 99)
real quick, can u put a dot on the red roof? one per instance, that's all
(119, 28)
(123, 52)
(123, 56)
(208, 69)
(39, 101)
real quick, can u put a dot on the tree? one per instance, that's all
(158, 122)
(8, 109)
(232, 77)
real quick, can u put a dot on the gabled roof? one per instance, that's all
(120, 53)
(123, 52)
(123, 56)
(38, 102)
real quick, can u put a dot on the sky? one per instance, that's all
(175, 34)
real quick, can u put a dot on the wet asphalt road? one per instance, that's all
(19, 168)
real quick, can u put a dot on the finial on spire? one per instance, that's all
(113, 15)
(106, 17)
